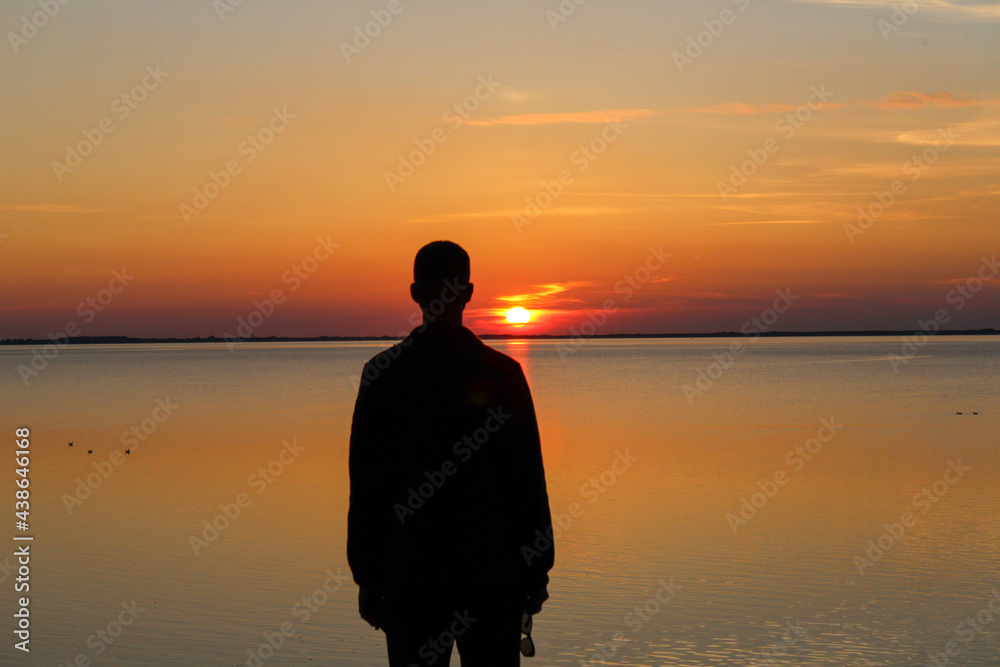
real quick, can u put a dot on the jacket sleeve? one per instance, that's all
(366, 532)
(537, 546)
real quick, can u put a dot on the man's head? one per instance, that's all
(441, 279)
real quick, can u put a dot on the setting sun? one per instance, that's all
(518, 316)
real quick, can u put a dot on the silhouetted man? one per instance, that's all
(447, 485)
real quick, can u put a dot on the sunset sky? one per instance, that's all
(589, 144)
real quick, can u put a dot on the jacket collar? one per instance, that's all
(433, 330)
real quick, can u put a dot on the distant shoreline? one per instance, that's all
(124, 340)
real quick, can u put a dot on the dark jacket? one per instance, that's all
(447, 483)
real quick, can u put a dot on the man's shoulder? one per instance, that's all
(377, 366)
(499, 360)
(412, 353)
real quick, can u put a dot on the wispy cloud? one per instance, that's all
(743, 109)
(601, 116)
(546, 302)
(240, 120)
(914, 100)
(993, 282)
(574, 211)
(54, 208)
(899, 100)
(769, 222)
(514, 94)
(943, 10)
(890, 168)
(46, 305)
(175, 216)
(983, 132)
(546, 295)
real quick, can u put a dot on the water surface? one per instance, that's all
(787, 578)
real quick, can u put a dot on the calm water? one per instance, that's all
(661, 521)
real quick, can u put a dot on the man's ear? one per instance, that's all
(467, 293)
(414, 292)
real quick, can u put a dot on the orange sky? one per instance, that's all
(509, 112)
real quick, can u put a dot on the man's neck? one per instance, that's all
(442, 321)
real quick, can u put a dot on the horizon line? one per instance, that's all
(113, 339)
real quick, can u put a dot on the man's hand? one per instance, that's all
(370, 606)
(534, 601)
